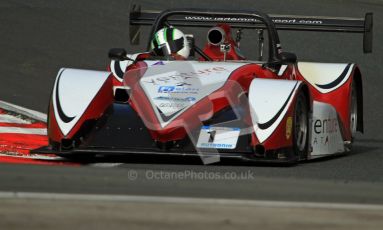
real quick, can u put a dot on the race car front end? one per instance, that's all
(185, 108)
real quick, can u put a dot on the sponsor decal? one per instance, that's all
(217, 146)
(181, 78)
(303, 21)
(326, 126)
(159, 63)
(178, 89)
(289, 127)
(186, 99)
(174, 103)
(177, 86)
(166, 89)
(171, 105)
(218, 137)
(323, 128)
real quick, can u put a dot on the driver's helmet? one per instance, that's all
(170, 42)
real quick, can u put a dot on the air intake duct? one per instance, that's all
(216, 36)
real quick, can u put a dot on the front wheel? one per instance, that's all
(301, 127)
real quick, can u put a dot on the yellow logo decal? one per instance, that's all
(289, 127)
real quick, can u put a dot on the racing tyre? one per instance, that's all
(301, 127)
(353, 111)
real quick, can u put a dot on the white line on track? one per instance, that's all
(188, 200)
(18, 130)
(33, 156)
(24, 111)
(6, 118)
(105, 165)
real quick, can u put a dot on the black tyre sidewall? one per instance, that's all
(297, 154)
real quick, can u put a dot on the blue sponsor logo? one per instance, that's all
(190, 98)
(166, 89)
(177, 89)
(186, 99)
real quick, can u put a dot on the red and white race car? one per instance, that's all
(214, 104)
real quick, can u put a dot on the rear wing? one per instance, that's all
(281, 22)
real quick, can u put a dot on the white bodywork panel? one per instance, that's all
(270, 99)
(74, 90)
(330, 75)
(118, 67)
(173, 87)
(326, 134)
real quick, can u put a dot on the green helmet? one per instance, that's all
(170, 41)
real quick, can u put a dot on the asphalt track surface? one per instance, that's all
(38, 37)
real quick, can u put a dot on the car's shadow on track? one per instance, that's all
(173, 160)
(90, 160)
(359, 148)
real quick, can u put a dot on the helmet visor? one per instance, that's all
(168, 48)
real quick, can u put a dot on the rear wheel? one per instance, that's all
(353, 111)
(301, 127)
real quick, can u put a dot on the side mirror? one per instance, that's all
(288, 58)
(118, 54)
